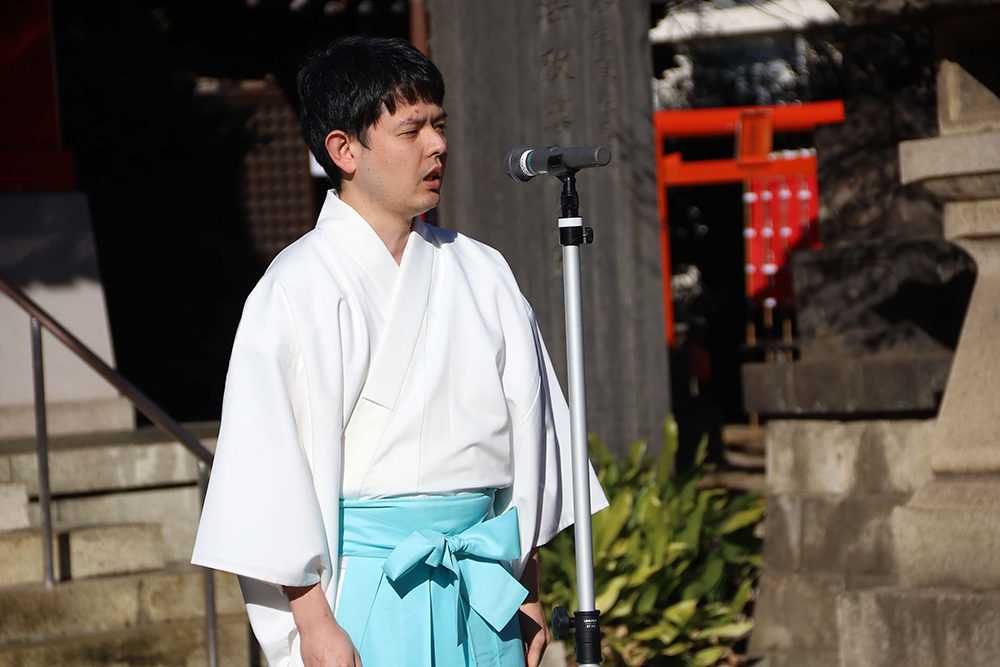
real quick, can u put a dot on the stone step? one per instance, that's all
(180, 644)
(34, 613)
(737, 459)
(99, 462)
(740, 480)
(175, 509)
(744, 437)
(13, 506)
(929, 627)
(79, 552)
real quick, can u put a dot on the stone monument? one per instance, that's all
(567, 73)
(945, 608)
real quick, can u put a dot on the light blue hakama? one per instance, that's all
(424, 585)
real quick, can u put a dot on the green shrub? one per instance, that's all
(675, 564)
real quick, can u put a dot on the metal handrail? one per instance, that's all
(145, 405)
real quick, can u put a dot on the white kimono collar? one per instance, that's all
(405, 288)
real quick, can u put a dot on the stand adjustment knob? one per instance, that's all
(560, 623)
(588, 235)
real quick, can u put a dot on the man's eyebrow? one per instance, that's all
(417, 120)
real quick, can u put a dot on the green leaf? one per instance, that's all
(664, 631)
(665, 467)
(680, 613)
(709, 656)
(675, 649)
(706, 578)
(643, 573)
(728, 631)
(702, 452)
(742, 596)
(599, 452)
(608, 525)
(623, 607)
(691, 535)
(635, 453)
(647, 600)
(608, 596)
(747, 517)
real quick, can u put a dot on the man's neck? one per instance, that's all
(393, 229)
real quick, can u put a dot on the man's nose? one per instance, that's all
(438, 144)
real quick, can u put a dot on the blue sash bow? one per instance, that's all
(441, 557)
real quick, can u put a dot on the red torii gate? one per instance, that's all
(753, 165)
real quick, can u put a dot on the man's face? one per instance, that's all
(402, 168)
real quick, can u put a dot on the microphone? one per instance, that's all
(523, 164)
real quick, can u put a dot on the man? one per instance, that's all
(390, 408)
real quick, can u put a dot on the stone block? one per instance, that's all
(34, 612)
(848, 534)
(794, 614)
(173, 645)
(181, 596)
(768, 388)
(969, 219)
(827, 386)
(887, 382)
(109, 467)
(79, 552)
(176, 510)
(828, 457)
(919, 628)
(949, 535)
(21, 556)
(900, 382)
(957, 167)
(64, 417)
(13, 507)
(783, 533)
(90, 551)
(857, 581)
(807, 456)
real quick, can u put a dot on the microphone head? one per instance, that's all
(514, 167)
(602, 156)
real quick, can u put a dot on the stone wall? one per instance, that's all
(832, 487)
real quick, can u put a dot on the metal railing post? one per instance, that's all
(209, 575)
(42, 438)
(41, 431)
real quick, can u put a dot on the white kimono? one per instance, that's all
(354, 377)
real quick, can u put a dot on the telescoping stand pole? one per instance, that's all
(586, 621)
(523, 164)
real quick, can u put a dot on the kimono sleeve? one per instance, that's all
(261, 517)
(543, 461)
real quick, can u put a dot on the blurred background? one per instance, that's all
(787, 241)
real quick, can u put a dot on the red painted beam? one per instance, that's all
(713, 172)
(726, 121)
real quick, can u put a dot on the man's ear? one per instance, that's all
(341, 150)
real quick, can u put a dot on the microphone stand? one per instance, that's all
(572, 234)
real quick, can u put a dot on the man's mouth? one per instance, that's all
(433, 179)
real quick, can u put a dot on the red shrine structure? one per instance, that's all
(780, 193)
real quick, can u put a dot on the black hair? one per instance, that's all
(347, 84)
